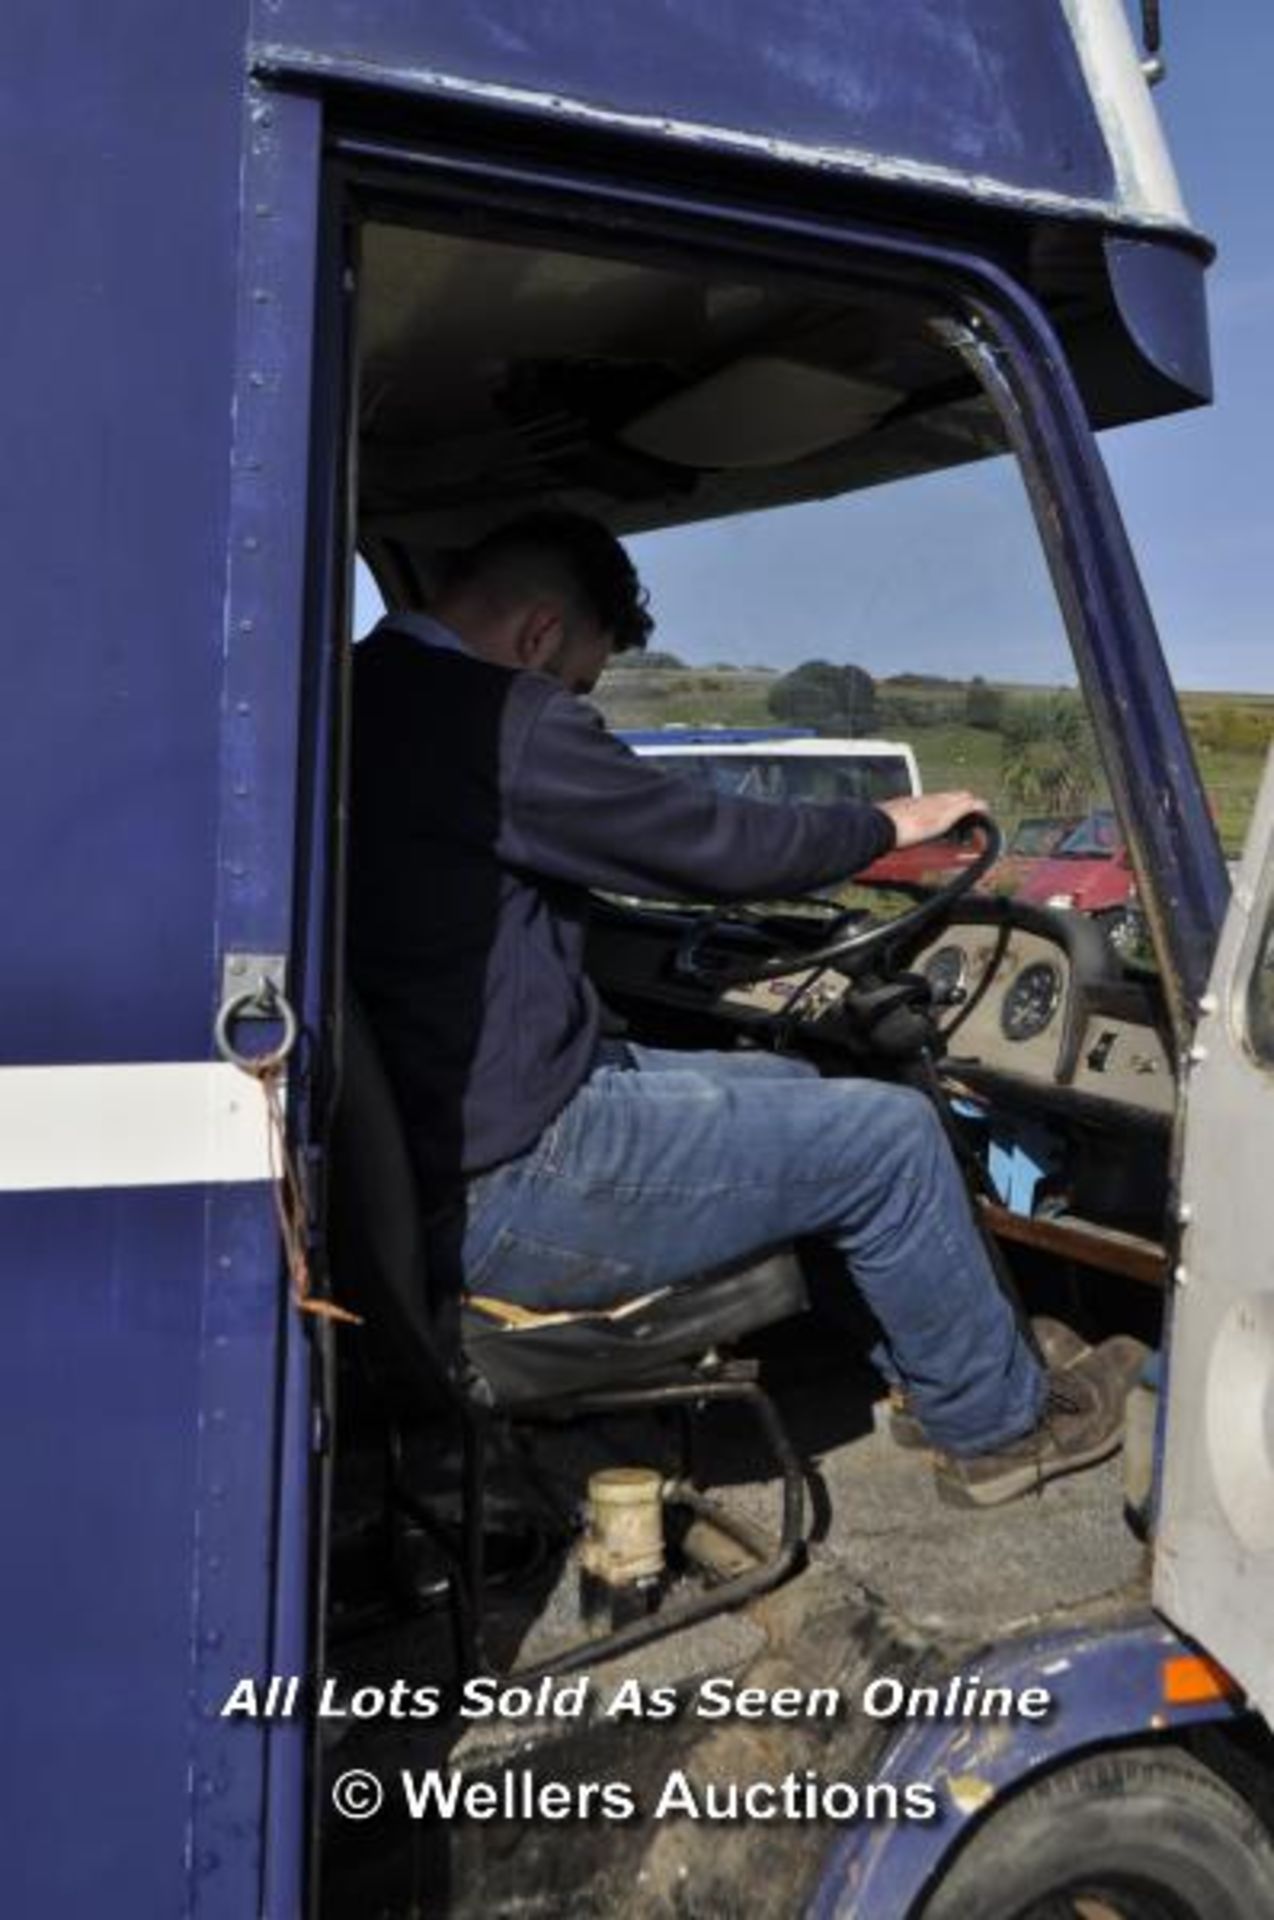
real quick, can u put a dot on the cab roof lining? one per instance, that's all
(495, 375)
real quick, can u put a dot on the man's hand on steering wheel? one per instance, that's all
(853, 951)
(927, 816)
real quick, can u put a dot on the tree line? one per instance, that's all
(1048, 752)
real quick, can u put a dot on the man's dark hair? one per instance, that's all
(555, 548)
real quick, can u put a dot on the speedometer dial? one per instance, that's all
(1031, 1001)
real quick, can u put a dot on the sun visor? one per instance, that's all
(759, 411)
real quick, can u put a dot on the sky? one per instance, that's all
(945, 574)
(1198, 491)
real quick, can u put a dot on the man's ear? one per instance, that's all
(539, 635)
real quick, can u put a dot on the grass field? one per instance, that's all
(1231, 732)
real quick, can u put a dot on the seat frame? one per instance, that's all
(390, 1286)
(689, 1393)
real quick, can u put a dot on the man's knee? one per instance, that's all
(903, 1124)
(900, 1110)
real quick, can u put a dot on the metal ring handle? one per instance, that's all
(268, 1003)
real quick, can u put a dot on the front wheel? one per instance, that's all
(1138, 1833)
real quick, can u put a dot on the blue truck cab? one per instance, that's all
(295, 280)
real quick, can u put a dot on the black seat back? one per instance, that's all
(381, 1252)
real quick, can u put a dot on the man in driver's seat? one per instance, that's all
(487, 799)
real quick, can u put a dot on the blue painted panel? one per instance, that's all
(140, 1371)
(97, 1437)
(265, 554)
(1160, 294)
(138, 1435)
(119, 180)
(987, 86)
(234, 1556)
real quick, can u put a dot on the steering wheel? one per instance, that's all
(852, 953)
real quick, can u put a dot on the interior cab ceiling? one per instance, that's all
(496, 376)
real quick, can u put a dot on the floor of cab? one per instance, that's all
(895, 1579)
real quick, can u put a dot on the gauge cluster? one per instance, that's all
(1028, 1004)
(1000, 996)
(1012, 1000)
(1018, 994)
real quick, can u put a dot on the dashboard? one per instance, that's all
(1026, 1001)
(1058, 1062)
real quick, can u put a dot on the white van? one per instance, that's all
(782, 763)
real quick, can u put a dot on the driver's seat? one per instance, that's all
(429, 1341)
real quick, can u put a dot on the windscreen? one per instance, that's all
(910, 635)
(810, 479)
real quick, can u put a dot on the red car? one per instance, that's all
(936, 860)
(1090, 871)
(1032, 841)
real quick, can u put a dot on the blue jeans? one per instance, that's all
(679, 1163)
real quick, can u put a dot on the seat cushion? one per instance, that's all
(522, 1357)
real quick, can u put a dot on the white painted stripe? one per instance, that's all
(181, 1123)
(1121, 98)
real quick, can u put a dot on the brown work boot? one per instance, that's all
(1082, 1423)
(1060, 1347)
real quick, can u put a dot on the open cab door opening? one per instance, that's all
(1214, 1571)
(503, 367)
(332, 277)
